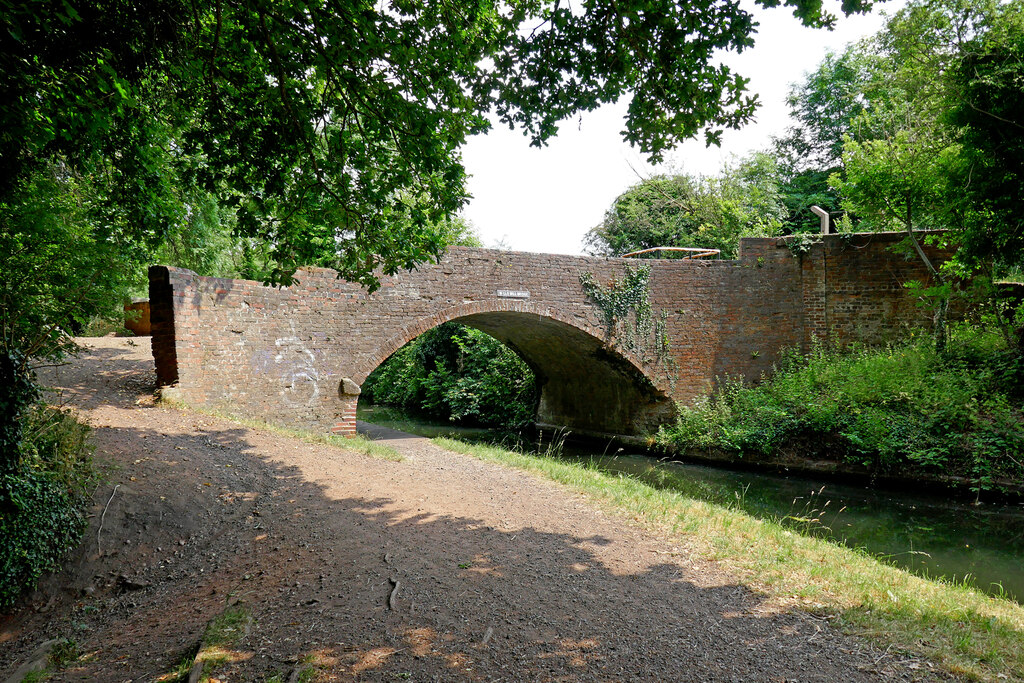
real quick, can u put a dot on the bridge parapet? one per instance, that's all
(297, 354)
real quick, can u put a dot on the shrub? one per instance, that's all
(900, 408)
(43, 497)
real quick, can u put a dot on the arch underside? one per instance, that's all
(583, 385)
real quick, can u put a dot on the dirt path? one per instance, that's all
(501, 576)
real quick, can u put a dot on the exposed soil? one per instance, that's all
(501, 576)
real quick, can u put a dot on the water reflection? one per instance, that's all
(926, 534)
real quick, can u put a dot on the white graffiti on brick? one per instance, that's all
(298, 368)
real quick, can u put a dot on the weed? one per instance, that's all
(222, 634)
(801, 243)
(228, 627)
(810, 518)
(556, 445)
(184, 666)
(63, 653)
(306, 673)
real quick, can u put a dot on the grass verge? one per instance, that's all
(953, 626)
(216, 648)
(358, 443)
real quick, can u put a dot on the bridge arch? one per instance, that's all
(583, 383)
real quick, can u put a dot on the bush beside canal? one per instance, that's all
(900, 411)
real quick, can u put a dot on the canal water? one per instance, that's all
(931, 535)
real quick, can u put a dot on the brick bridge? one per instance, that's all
(297, 355)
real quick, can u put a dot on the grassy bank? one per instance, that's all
(357, 443)
(958, 629)
(901, 410)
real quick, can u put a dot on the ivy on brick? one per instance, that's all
(624, 304)
(801, 243)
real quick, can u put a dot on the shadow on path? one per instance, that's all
(361, 566)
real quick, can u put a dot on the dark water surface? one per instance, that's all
(930, 535)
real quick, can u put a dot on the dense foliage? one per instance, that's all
(901, 409)
(332, 129)
(689, 211)
(457, 374)
(822, 108)
(48, 231)
(933, 100)
(43, 499)
(988, 78)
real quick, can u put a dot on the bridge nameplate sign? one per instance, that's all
(513, 294)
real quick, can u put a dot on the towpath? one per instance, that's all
(436, 568)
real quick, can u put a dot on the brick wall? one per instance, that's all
(296, 355)
(854, 287)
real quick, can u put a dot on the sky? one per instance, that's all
(545, 200)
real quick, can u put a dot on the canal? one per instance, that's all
(930, 535)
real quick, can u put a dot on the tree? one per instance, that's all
(317, 121)
(988, 80)
(823, 108)
(55, 274)
(688, 211)
(899, 177)
(905, 62)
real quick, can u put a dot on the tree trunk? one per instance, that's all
(939, 319)
(939, 324)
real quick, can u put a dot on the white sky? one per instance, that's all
(545, 200)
